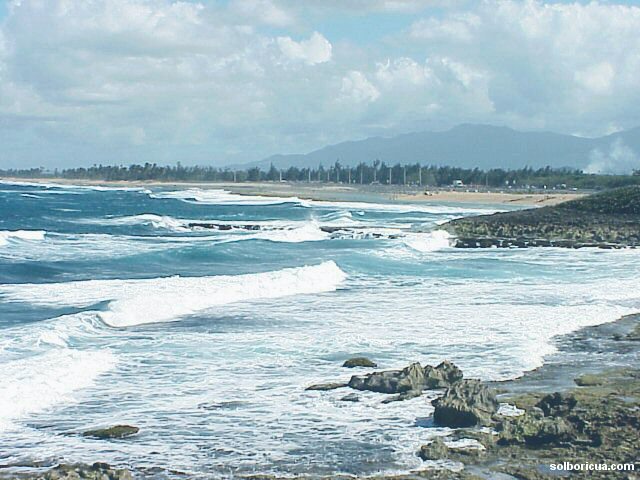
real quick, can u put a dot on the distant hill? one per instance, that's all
(481, 146)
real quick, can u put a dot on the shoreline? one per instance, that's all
(342, 192)
(560, 375)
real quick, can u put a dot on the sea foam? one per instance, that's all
(39, 382)
(31, 235)
(135, 302)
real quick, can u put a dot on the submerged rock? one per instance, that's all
(326, 386)
(408, 395)
(117, 431)
(359, 362)
(465, 404)
(97, 471)
(352, 397)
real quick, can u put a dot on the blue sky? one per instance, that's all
(215, 82)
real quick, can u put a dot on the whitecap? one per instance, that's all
(30, 235)
(135, 302)
(428, 242)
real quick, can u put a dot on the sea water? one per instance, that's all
(115, 309)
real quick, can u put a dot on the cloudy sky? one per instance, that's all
(228, 81)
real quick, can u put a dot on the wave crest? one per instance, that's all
(136, 302)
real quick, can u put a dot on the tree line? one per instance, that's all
(377, 172)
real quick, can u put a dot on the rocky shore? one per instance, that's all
(573, 411)
(609, 219)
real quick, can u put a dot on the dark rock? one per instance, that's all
(443, 375)
(352, 397)
(413, 378)
(465, 404)
(326, 386)
(436, 450)
(403, 396)
(557, 404)
(97, 471)
(359, 362)
(391, 381)
(117, 431)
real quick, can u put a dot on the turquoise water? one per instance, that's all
(113, 309)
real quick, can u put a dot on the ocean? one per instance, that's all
(121, 306)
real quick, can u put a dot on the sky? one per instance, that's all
(224, 82)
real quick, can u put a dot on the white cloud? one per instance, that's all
(596, 78)
(264, 11)
(458, 26)
(546, 61)
(148, 79)
(316, 49)
(356, 87)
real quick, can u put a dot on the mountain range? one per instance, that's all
(481, 146)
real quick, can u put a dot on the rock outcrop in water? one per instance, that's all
(609, 219)
(117, 431)
(465, 404)
(408, 382)
(359, 362)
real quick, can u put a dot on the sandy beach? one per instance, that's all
(343, 192)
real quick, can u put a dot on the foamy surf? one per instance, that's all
(40, 382)
(428, 242)
(136, 302)
(31, 235)
(221, 197)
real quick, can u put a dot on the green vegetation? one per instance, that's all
(376, 172)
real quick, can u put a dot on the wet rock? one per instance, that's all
(403, 396)
(117, 431)
(436, 450)
(391, 381)
(557, 404)
(413, 378)
(588, 380)
(326, 386)
(359, 362)
(97, 471)
(443, 375)
(465, 404)
(352, 397)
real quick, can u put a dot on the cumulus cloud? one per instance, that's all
(135, 80)
(546, 61)
(618, 159)
(316, 49)
(356, 87)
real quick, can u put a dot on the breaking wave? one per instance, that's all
(135, 302)
(30, 235)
